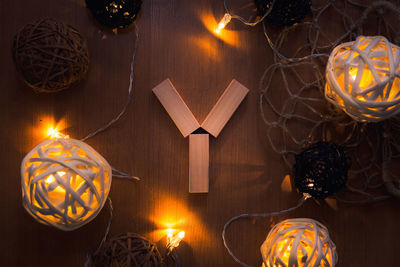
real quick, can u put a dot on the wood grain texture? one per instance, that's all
(176, 107)
(224, 108)
(199, 161)
(246, 173)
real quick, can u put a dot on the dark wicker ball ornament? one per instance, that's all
(284, 12)
(115, 14)
(321, 170)
(50, 55)
(128, 250)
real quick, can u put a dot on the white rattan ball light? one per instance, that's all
(299, 242)
(362, 78)
(65, 183)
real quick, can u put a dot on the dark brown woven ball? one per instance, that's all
(128, 250)
(50, 55)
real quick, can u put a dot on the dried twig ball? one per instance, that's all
(114, 13)
(50, 55)
(362, 78)
(128, 250)
(284, 12)
(65, 183)
(299, 242)
(321, 170)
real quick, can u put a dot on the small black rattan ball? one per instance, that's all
(114, 13)
(284, 12)
(321, 170)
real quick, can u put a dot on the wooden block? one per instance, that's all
(224, 108)
(176, 107)
(198, 163)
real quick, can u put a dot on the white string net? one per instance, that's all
(299, 114)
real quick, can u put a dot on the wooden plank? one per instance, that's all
(198, 163)
(224, 108)
(176, 107)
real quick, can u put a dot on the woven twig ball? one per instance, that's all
(128, 250)
(50, 55)
(321, 170)
(299, 242)
(65, 183)
(362, 78)
(284, 12)
(114, 13)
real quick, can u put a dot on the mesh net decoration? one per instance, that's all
(50, 55)
(321, 170)
(298, 242)
(362, 78)
(284, 12)
(300, 115)
(65, 183)
(128, 250)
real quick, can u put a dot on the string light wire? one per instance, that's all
(253, 215)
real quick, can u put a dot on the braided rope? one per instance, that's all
(65, 183)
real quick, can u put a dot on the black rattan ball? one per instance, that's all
(284, 12)
(321, 170)
(114, 13)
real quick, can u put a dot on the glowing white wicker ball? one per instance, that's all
(299, 242)
(362, 78)
(65, 183)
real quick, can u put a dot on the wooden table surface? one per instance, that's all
(245, 174)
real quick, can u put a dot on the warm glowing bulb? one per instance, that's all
(224, 21)
(353, 73)
(174, 240)
(53, 133)
(50, 179)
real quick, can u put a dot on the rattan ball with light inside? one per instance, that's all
(299, 242)
(128, 250)
(65, 183)
(362, 78)
(50, 55)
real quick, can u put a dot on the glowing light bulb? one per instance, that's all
(174, 240)
(53, 133)
(224, 21)
(353, 73)
(50, 179)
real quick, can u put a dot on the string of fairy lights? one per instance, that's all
(65, 182)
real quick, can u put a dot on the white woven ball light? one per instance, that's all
(299, 242)
(362, 78)
(65, 183)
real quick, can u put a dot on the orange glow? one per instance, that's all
(49, 128)
(229, 37)
(53, 133)
(173, 240)
(224, 21)
(171, 217)
(366, 78)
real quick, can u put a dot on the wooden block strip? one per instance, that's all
(224, 108)
(176, 107)
(198, 163)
